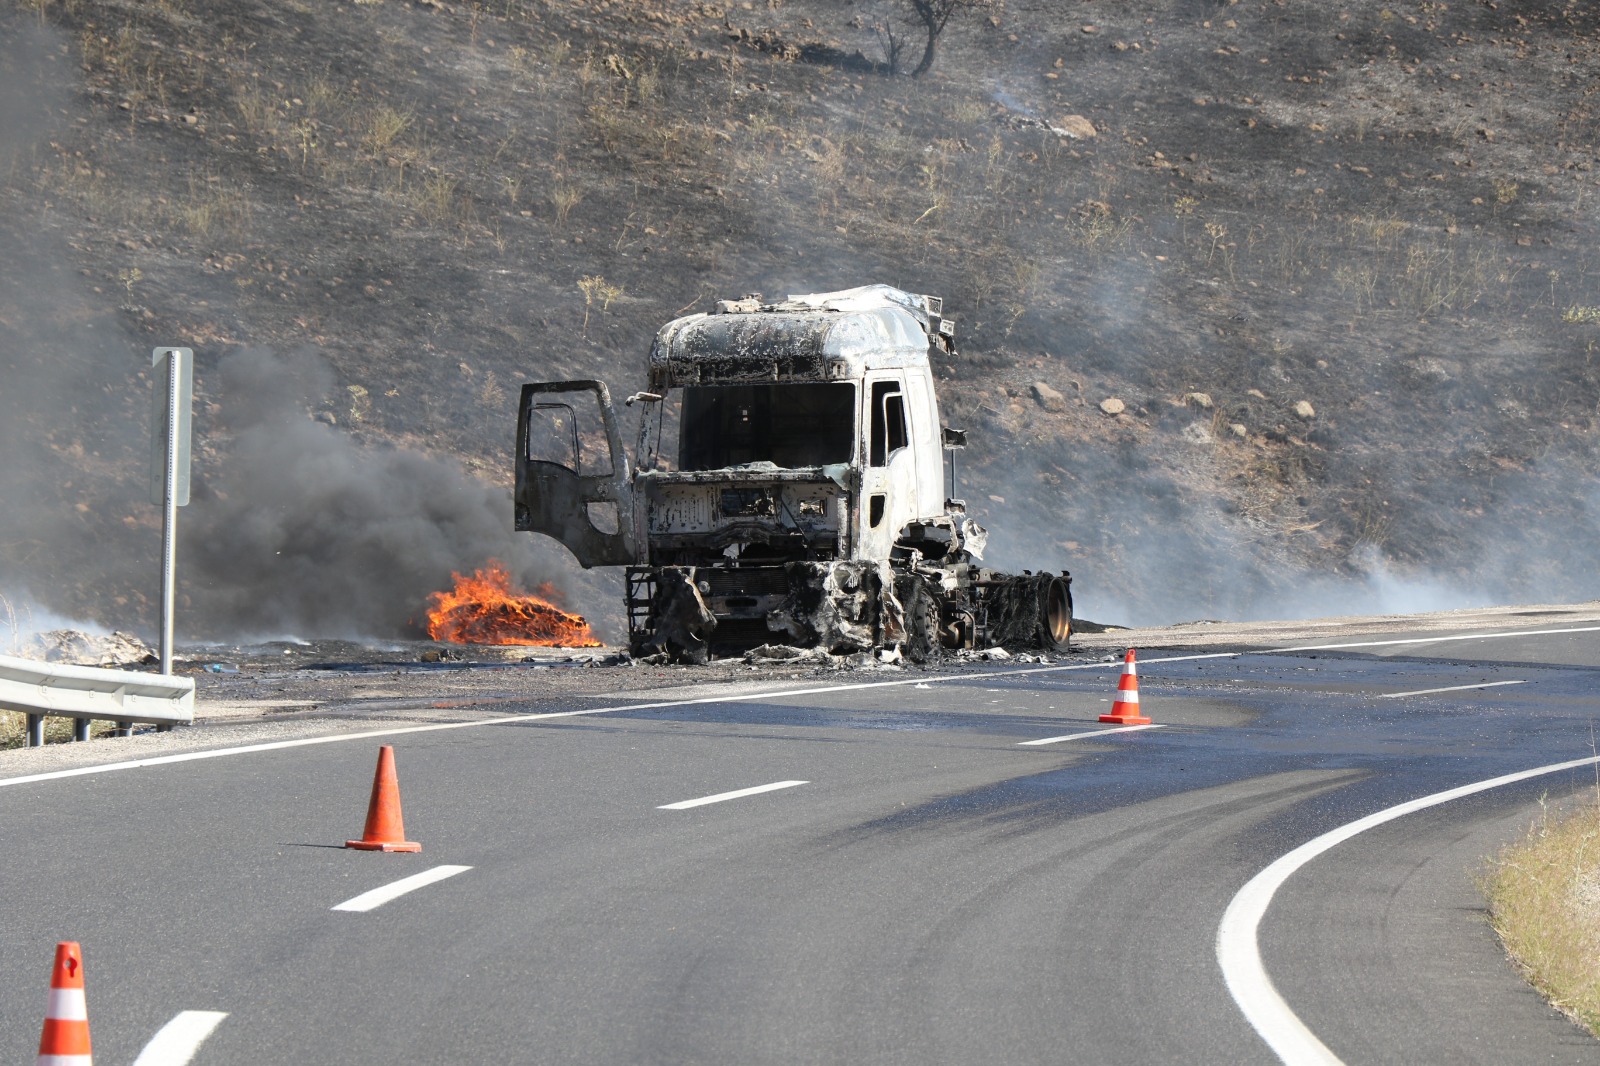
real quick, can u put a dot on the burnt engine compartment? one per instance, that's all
(690, 613)
(760, 516)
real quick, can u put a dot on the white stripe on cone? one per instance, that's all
(68, 1005)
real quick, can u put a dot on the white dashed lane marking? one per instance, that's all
(377, 897)
(1452, 688)
(1091, 733)
(684, 805)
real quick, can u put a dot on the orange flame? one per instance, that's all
(486, 609)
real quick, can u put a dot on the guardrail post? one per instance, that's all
(35, 730)
(123, 729)
(80, 729)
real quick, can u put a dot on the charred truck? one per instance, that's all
(788, 486)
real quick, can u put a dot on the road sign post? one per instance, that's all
(170, 445)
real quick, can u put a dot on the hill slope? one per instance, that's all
(1333, 263)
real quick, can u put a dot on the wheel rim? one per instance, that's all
(1057, 612)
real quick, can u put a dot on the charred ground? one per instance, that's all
(1332, 261)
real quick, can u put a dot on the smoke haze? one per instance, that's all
(295, 527)
(1148, 548)
(302, 531)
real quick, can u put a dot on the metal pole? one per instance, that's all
(80, 728)
(35, 731)
(169, 524)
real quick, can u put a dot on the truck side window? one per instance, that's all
(567, 429)
(553, 435)
(888, 422)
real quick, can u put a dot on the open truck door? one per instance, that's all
(573, 479)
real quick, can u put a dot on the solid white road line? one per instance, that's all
(1095, 733)
(177, 1041)
(684, 805)
(517, 719)
(377, 897)
(1452, 688)
(1435, 640)
(1239, 950)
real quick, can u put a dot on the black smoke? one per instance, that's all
(302, 530)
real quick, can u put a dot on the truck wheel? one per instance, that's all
(922, 624)
(1055, 616)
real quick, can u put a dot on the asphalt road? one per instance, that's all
(935, 891)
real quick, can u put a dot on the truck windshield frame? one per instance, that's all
(792, 425)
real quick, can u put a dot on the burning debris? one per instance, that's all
(486, 609)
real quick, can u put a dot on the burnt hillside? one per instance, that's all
(1262, 308)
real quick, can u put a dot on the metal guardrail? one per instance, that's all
(40, 690)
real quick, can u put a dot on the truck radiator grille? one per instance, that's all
(762, 581)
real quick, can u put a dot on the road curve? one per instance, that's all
(927, 887)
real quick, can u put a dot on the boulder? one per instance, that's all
(1048, 398)
(1076, 127)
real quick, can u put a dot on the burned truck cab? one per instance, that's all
(787, 484)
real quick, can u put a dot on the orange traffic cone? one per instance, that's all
(386, 830)
(1126, 710)
(65, 1041)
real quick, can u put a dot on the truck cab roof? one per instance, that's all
(832, 336)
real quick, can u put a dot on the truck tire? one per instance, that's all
(1055, 615)
(923, 636)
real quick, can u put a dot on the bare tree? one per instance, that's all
(891, 43)
(934, 14)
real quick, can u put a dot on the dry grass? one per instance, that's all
(379, 129)
(1097, 230)
(1544, 902)
(565, 197)
(257, 109)
(597, 289)
(212, 206)
(14, 729)
(436, 198)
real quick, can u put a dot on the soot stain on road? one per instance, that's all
(1401, 749)
(1097, 780)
